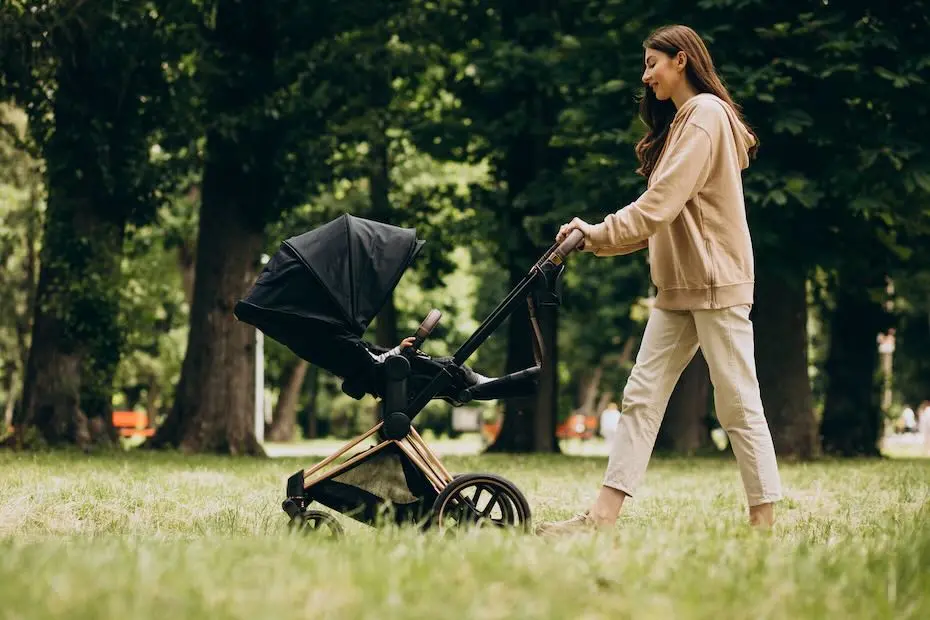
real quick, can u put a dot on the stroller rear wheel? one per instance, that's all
(317, 523)
(480, 500)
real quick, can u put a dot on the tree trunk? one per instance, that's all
(685, 428)
(11, 388)
(852, 417)
(214, 405)
(517, 432)
(73, 324)
(588, 390)
(780, 325)
(75, 342)
(379, 187)
(284, 421)
(96, 158)
(151, 400)
(529, 423)
(186, 260)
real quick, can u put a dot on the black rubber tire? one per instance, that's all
(316, 522)
(506, 507)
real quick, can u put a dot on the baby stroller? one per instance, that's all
(317, 296)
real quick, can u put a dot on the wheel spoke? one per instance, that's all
(495, 498)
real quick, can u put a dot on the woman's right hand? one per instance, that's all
(575, 224)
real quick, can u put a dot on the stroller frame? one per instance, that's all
(539, 288)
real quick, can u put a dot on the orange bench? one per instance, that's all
(132, 423)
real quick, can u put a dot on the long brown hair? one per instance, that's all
(700, 73)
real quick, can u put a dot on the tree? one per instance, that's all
(271, 85)
(90, 79)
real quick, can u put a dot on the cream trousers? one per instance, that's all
(670, 341)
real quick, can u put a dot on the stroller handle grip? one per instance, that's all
(426, 327)
(570, 244)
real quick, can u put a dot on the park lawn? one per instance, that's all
(163, 536)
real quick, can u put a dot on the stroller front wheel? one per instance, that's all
(317, 523)
(480, 500)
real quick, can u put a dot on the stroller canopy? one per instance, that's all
(335, 278)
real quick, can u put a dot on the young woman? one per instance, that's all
(693, 220)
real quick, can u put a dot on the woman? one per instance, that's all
(693, 220)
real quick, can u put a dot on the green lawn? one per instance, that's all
(160, 536)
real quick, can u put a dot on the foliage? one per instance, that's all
(489, 123)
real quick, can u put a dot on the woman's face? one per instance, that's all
(663, 73)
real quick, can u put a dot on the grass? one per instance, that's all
(162, 536)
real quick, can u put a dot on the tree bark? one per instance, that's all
(780, 325)
(852, 415)
(685, 428)
(186, 260)
(284, 421)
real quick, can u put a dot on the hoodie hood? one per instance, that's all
(743, 140)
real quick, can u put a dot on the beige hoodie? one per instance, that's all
(692, 216)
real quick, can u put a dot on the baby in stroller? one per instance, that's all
(424, 368)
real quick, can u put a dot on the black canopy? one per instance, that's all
(333, 280)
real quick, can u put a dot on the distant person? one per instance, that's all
(610, 417)
(908, 420)
(923, 425)
(692, 217)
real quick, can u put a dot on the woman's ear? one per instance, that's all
(681, 61)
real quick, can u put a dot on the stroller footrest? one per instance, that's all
(501, 387)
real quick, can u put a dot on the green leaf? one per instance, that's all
(922, 179)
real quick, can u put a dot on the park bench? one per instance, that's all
(132, 424)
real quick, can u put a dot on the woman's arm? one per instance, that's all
(679, 181)
(618, 250)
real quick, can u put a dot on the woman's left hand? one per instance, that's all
(575, 224)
